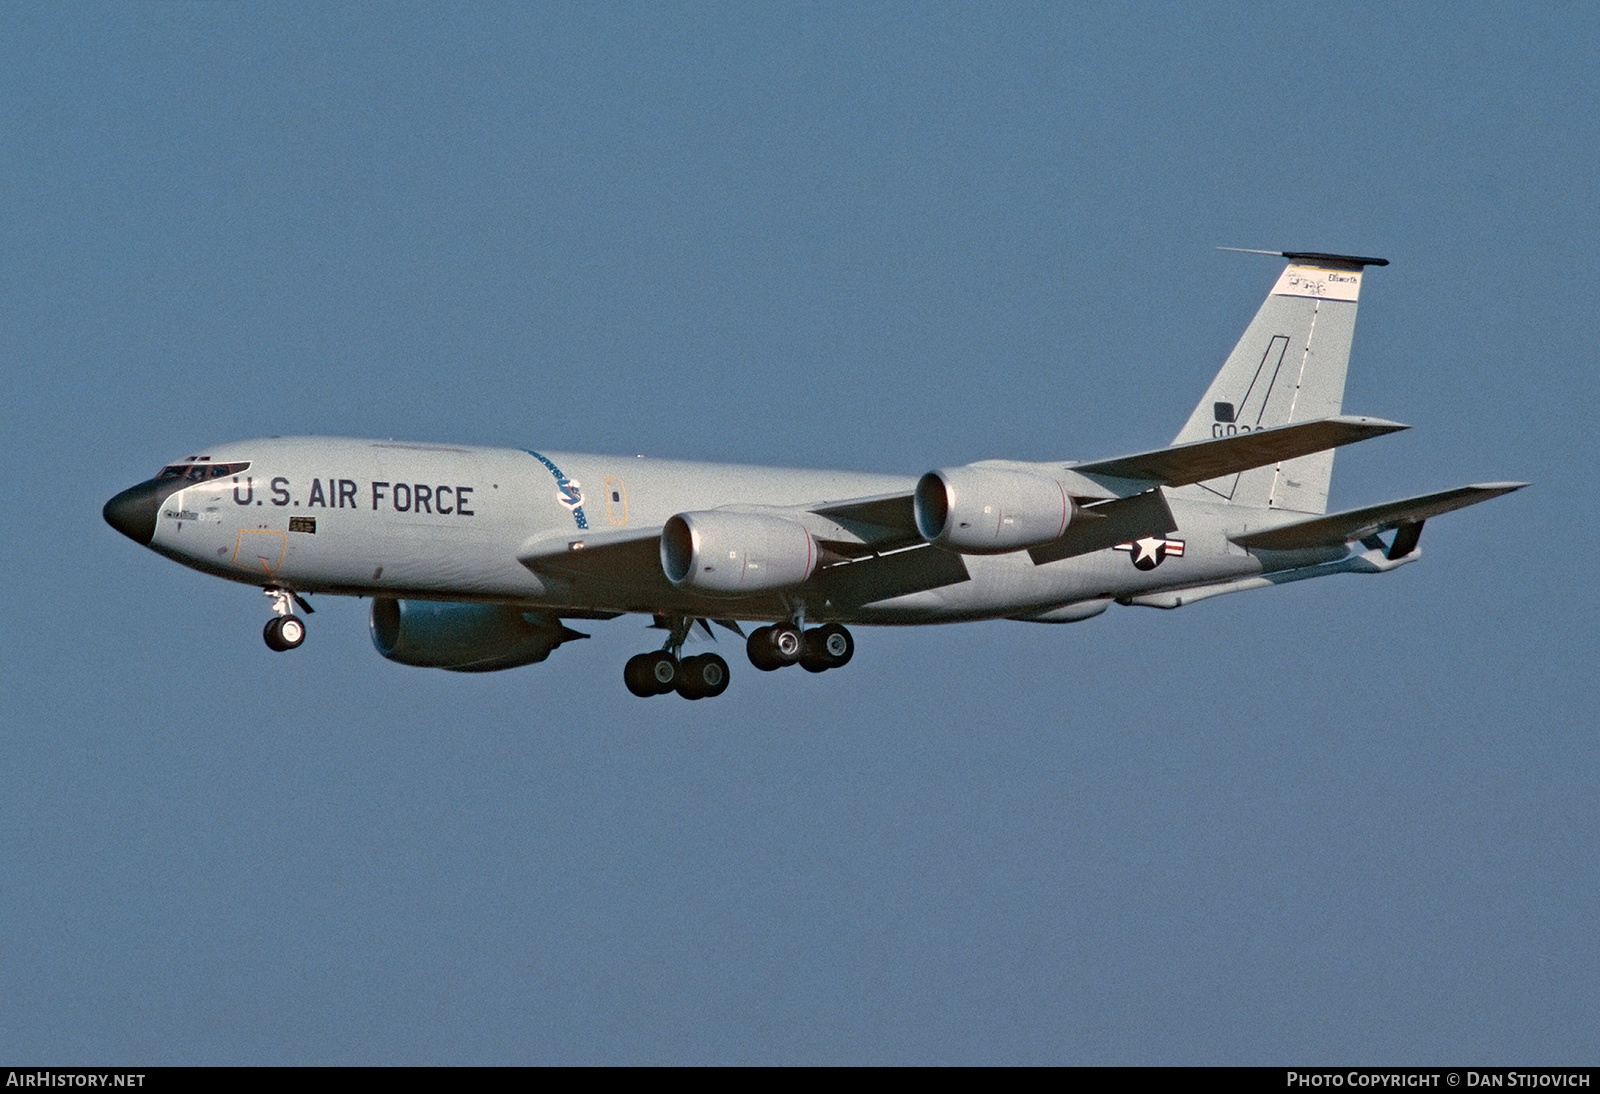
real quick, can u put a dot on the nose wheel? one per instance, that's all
(285, 630)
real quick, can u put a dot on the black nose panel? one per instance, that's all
(133, 512)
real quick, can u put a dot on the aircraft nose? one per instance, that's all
(133, 512)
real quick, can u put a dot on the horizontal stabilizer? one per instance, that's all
(1354, 524)
(1197, 461)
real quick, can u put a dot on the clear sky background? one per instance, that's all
(1344, 821)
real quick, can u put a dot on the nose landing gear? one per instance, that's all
(285, 630)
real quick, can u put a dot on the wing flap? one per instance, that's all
(1354, 524)
(1198, 461)
(883, 577)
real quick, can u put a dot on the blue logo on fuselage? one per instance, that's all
(568, 492)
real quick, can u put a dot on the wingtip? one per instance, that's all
(1381, 424)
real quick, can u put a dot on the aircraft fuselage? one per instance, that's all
(419, 521)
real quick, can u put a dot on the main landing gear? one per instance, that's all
(816, 650)
(772, 647)
(285, 630)
(699, 677)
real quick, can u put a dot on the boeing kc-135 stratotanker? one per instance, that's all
(476, 558)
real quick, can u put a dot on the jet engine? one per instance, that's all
(990, 511)
(463, 637)
(727, 553)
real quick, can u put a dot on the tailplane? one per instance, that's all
(1288, 367)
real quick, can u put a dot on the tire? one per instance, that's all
(758, 647)
(837, 644)
(689, 685)
(284, 632)
(636, 674)
(814, 658)
(704, 677)
(827, 648)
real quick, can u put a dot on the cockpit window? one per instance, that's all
(200, 472)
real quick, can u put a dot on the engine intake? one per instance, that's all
(726, 554)
(990, 511)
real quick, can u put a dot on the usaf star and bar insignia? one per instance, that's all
(1151, 551)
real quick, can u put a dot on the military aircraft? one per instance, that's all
(476, 558)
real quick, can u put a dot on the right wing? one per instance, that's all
(1354, 524)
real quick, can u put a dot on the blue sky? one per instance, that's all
(1349, 820)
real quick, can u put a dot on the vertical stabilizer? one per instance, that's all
(1288, 367)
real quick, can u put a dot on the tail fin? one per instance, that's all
(1288, 367)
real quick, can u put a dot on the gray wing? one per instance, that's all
(1354, 524)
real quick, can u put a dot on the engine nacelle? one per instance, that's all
(989, 510)
(463, 637)
(727, 554)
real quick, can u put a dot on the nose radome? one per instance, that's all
(133, 512)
